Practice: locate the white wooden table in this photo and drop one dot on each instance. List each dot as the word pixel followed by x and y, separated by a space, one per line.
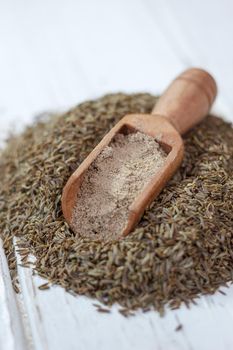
pixel 56 53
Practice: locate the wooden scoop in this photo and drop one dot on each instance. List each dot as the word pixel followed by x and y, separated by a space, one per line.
pixel 184 104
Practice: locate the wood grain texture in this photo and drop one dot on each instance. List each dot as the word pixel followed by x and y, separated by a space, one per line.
pixel 55 54
pixel 188 99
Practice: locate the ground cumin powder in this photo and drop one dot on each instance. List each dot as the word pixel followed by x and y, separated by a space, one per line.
pixel 183 246
pixel 112 183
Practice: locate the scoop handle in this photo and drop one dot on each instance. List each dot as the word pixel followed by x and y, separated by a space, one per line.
pixel 187 99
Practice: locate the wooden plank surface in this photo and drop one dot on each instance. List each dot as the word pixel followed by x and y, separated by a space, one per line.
pixel 12 332
pixel 56 53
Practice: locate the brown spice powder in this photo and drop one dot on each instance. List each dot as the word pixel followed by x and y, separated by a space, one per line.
pixel 112 183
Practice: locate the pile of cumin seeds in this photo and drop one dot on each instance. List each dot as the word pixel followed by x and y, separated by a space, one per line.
pixel 181 248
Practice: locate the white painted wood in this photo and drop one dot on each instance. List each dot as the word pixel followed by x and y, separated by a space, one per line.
pixel 200 33
pixel 56 53
pixel 12 334
pixel 61 321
